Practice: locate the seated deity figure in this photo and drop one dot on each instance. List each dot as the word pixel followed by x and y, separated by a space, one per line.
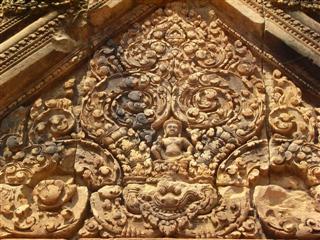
pixel 174 150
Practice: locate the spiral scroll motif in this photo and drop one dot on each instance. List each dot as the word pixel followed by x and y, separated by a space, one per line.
pixel 132 101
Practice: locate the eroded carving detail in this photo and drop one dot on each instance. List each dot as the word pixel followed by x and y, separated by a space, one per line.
pixel 53 208
pixel 287 213
pixel 164 135
pixel 294 155
pixel 188 99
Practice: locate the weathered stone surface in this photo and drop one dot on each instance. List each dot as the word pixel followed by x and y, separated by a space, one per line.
pixel 288 213
pixel 179 126
pixel 53 208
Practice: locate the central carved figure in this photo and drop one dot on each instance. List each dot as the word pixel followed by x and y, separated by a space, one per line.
pixel 172 146
pixel 173 152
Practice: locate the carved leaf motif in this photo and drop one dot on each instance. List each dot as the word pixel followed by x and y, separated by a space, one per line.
pixel 31 165
pixel 302 158
pixel 55 210
pixel 290 117
pixel 209 99
pixel 134 101
pixel 246 166
pixel 95 166
pixel 52 120
pixel 108 211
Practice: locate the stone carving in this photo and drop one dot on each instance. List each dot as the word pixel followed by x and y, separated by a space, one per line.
pixel 95 166
pixel 172 153
pixel 290 116
pixel 15 7
pixel 53 208
pixel 294 155
pixel 170 120
pixel 164 136
pixel 30 165
pixel 51 120
pixel 246 166
pixel 299 157
pixel 312 5
pixel 169 209
pixel 288 213
pixel 138 103
pixel 293 123
pixel 302 32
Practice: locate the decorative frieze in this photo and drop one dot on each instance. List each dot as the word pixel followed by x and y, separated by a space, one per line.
pixel 173 129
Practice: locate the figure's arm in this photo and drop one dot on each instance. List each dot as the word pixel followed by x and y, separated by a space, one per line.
pixel 156 149
pixel 188 146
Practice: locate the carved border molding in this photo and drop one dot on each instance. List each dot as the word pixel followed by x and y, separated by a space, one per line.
pixel 10 22
pixel 298 30
pixel 270 59
pixel 31 43
pixel 77 56
pixel 311 5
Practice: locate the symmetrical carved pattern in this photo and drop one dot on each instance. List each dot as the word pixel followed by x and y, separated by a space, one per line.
pixel 164 136
pixel 182 73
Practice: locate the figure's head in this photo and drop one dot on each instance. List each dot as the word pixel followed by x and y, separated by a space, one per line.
pixel 172 128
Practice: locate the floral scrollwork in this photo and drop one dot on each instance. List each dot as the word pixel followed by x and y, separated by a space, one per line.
pixel 132 101
pixel 32 164
pixel 300 157
pixel 52 120
pixel 213 101
pixel 246 166
pixel 96 167
pixel 290 117
pixel 52 208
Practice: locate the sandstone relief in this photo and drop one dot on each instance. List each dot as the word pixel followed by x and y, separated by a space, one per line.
pixel 174 131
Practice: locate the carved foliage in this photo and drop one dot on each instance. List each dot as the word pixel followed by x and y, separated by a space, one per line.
pixel 95 166
pixel 166 135
pixel 294 153
pixel 177 64
pixel 188 98
pixel 290 117
pixel 31 165
pixel 52 208
pixel 246 166
pixel 179 53
pixel 170 209
pixel 51 120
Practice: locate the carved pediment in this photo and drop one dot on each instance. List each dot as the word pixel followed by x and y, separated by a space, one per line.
pixel 172 129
